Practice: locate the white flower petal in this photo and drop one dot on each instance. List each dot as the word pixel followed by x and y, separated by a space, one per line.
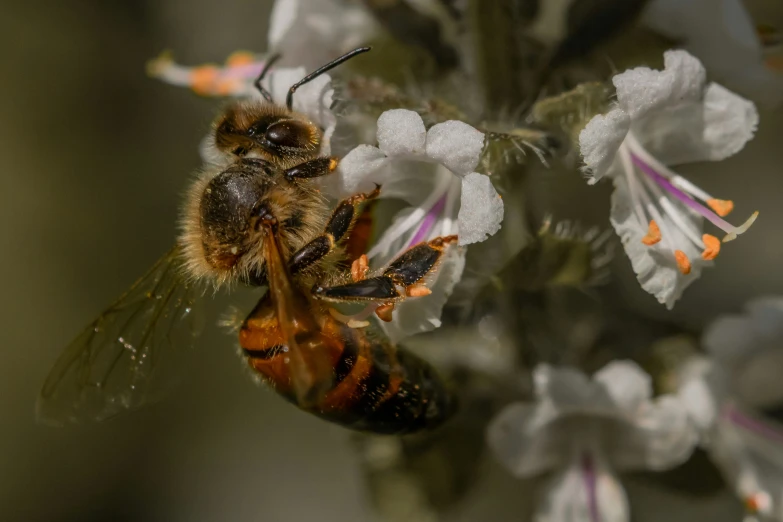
pixel 628 385
pixel 422 314
pixel 661 437
pixel 281 20
pixel 481 209
pixel 600 140
pixel 519 438
pixel 579 493
pixel 655 267
pixel 360 169
pixel 456 145
pixel 716 127
pixel 643 90
pixel 401 133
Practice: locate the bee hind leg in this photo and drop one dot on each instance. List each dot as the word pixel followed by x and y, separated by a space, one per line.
pixel 314 168
pixel 401 279
pixel 337 229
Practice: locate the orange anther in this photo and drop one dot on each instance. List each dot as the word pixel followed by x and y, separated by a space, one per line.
pixel 332 164
pixel 202 79
pixel 227 86
pixel 711 247
pixel 384 312
pixel 417 291
pixel 722 207
pixel 240 58
pixel 359 268
pixel 683 263
pixel 653 234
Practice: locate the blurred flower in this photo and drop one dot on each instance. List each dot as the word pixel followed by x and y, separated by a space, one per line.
pixel 433 172
pixel 314 32
pixel 728 394
pixel 723 36
pixel 663 118
pixel 585 430
pixel 237 79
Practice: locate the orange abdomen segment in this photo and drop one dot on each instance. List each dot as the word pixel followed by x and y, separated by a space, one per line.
pixel 375 387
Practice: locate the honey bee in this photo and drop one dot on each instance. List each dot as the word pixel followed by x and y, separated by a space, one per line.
pixel 260 221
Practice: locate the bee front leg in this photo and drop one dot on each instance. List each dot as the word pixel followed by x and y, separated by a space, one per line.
pixel 312 169
pixel 337 228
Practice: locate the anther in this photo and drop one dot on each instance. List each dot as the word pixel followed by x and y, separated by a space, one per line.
pixel 653 234
pixel 239 58
pixel 417 291
pixel 711 247
pixel 359 268
pixel 722 207
pixel 202 79
pixel 384 312
pixel 683 263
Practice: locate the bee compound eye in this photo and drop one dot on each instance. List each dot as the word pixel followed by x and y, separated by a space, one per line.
pixel 288 134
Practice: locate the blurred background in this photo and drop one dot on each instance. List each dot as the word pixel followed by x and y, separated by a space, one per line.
pixel 96 157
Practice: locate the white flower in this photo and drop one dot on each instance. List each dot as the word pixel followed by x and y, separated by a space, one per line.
pixel 236 79
pixel 585 430
pixel 433 171
pixel 721 34
pixel 726 398
pixel 665 118
pixel 314 32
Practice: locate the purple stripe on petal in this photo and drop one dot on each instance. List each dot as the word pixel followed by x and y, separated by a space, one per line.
pixel 688 201
pixel 588 473
pixel 429 221
pixel 752 425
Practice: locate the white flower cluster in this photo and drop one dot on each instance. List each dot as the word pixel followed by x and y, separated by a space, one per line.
pixel 582 430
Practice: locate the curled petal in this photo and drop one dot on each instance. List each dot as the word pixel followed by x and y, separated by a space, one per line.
pixel 714 128
pixel 481 209
pixel 600 140
pixel 421 314
pixel 661 437
pixel 401 133
pixel 456 145
pixel 628 385
pixel 643 90
pixel 585 491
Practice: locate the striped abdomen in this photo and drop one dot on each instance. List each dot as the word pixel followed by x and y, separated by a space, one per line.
pixel 375 386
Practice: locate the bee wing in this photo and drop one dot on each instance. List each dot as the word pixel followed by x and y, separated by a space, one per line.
pixel 308 356
pixel 117 363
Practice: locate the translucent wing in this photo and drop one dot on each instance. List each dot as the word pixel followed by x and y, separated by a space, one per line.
pixel 119 361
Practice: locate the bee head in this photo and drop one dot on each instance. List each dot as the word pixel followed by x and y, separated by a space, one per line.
pixel 266 131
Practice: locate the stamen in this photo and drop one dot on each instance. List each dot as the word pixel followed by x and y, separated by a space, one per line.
pixel 202 79
pixel 731 230
pixel 353 323
pixel 429 221
pixel 722 207
pixel 711 247
pixel 384 312
pixel 683 263
pixel 653 234
pixel 359 268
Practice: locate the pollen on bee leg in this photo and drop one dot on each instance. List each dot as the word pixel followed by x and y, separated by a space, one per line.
pixel 333 164
pixel 722 207
pixel 202 79
pixel 711 247
pixel 240 58
pixel 683 263
pixel 359 268
pixel 384 312
pixel 417 291
pixel 653 235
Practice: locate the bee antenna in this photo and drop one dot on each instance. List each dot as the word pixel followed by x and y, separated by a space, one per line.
pixel 289 99
pixel 268 65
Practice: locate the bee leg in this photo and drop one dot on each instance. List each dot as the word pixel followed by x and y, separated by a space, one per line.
pixel 312 169
pixel 406 271
pixel 336 229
